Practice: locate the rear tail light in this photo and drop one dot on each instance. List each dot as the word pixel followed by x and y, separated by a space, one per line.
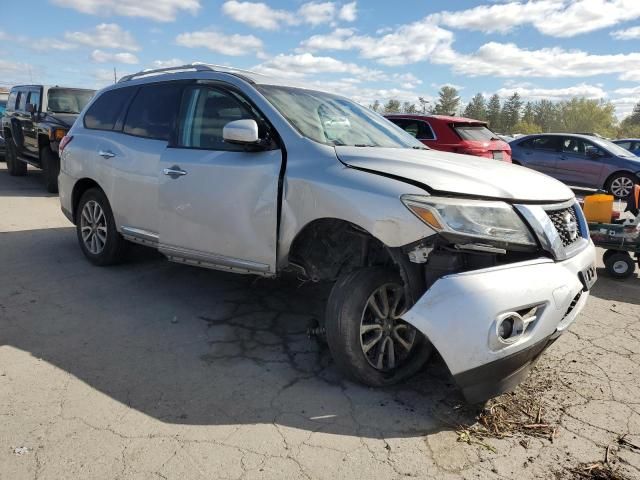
pixel 64 142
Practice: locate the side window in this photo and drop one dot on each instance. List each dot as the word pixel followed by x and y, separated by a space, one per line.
pixel 204 113
pixel 426 132
pixel 409 126
pixel 34 99
pixel 575 146
pixel 546 143
pixel 153 111
pixel 105 112
pixel 626 145
pixel 11 101
pixel 21 101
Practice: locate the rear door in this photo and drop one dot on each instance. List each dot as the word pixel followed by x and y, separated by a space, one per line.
pixel 218 202
pixel 540 153
pixel 576 166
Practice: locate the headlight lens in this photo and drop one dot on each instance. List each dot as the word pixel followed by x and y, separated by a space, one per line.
pixel 496 221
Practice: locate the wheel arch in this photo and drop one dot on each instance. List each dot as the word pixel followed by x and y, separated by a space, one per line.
pixel 79 188
pixel 614 174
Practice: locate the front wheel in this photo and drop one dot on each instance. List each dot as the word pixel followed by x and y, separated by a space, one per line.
pixel 96 229
pixel 15 167
pixel 621 185
pixel 367 337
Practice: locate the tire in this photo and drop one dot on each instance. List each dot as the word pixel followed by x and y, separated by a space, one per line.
pixel 621 185
pixel 348 309
pixel 103 249
pixel 15 167
pixel 607 254
pixel 50 168
pixel 620 265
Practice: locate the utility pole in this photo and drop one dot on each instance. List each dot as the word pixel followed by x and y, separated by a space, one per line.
pixel 115 77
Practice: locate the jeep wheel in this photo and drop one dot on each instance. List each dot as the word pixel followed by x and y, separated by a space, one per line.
pixel 367 337
pixel 96 228
pixel 15 167
pixel 50 169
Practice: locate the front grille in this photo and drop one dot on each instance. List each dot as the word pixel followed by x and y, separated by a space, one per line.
pixel 566 224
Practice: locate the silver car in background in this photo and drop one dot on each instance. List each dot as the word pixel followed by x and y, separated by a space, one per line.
pixel 485 262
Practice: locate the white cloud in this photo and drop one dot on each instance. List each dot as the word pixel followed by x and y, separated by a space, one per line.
pixel 407 44
pixel 233 45
pixel 555 94
pixel 172 62
pixel 628 34
pixel 100 56
pixel 624 106
pixel 158 10
pixel 299 66
pixel 348 12
pixel 558 18
pixel 104 35
pixel 631 75
pixel 509 60
pixel 17 72
pixel 37 44
pixel 261 15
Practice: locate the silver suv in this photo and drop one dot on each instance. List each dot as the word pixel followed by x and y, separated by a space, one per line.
pixel 485 262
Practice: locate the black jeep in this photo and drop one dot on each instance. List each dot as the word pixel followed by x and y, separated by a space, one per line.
pixel 36 118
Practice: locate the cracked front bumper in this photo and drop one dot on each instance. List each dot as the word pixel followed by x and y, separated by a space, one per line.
pixel 458 314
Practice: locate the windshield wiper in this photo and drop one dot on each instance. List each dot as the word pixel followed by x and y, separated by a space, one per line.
pixel 415 147
pixel 364 145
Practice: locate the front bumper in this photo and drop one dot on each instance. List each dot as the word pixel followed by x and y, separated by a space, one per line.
pixel 459 315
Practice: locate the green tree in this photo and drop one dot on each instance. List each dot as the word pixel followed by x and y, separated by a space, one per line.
pixel 424 104
pixel 511 113
pixel 586 115
pixel 528 114
pixel 448 101
pixel 494 112
pixel 392 106
pixel 375 106
pixel 408 107
pixel 634 118
pixel 476 108
pixel 546 115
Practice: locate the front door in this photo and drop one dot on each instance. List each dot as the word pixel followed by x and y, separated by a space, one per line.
pixel 218 201
pixel 578 167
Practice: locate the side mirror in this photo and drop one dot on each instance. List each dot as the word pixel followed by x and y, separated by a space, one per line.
pixel 31 108
pixel 242 132
pixel 594 153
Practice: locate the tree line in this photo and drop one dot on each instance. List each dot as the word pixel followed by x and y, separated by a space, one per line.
pixel 513 115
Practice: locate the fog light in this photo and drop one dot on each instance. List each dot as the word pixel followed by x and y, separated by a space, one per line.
pixel 505 330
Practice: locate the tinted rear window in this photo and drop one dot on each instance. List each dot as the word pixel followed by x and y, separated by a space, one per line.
pixel 416 128
pixel 104 113
pixel 153 111
pixel 474 132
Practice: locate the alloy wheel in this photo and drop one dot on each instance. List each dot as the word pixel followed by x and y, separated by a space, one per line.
pixel 93 226
pixel 386 339
pixel 621 186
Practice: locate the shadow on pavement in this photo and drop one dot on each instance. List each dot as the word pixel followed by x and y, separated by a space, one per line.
pixel 625 290
pixel 30 185
pixel 198 347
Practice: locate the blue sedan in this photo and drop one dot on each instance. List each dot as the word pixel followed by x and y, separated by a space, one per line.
pixel 631 144
pixel 579 161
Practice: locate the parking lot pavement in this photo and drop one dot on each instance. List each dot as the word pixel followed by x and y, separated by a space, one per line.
pixel 155 370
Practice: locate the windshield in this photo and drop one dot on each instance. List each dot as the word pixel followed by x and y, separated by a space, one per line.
pixel 476 132
pixel 65 100
pixel 611 147
pixel 334 120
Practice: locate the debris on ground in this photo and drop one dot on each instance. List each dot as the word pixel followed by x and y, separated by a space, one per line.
pixel 21 450
pixel 595 471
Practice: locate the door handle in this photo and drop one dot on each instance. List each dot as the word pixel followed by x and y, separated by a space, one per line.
pixel 106 154
pixel 174 172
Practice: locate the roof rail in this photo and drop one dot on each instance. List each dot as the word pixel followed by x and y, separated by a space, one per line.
pixel 197 66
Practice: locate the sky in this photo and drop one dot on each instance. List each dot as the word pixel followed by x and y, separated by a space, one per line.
pixel 365 49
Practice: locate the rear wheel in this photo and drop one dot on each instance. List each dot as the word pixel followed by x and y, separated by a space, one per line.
pixel 367 337
pixel 15 167
pixel 51 169
pixel 621 185
pixel 620 265
pixel 96 229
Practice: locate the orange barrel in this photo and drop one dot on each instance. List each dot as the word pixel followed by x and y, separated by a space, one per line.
pixel 598 208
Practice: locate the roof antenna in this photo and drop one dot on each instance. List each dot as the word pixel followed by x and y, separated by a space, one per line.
pixel 115 78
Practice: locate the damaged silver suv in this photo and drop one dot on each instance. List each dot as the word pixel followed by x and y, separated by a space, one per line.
pixel 484 262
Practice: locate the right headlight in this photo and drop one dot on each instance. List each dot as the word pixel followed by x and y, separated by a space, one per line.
pixel 476 219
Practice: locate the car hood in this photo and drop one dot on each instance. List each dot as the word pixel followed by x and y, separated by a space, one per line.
pixel 63 119
pixel 443 172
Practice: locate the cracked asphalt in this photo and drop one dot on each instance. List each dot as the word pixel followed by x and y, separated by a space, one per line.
pixel 152 370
